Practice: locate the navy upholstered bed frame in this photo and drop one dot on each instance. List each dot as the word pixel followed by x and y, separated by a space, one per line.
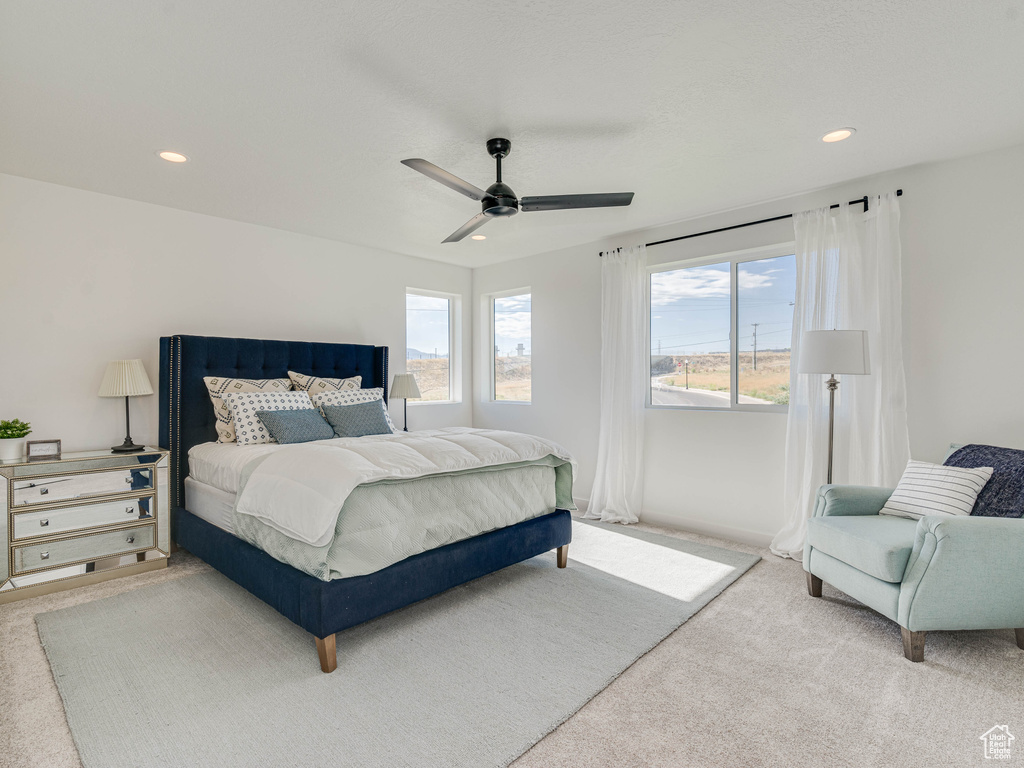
pixel 321 607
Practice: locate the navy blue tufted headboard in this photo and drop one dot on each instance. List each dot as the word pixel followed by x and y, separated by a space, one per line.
pixel 186 413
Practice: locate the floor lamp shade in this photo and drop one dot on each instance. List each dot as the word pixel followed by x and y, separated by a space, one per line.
pixel 834 352
pixel 127 379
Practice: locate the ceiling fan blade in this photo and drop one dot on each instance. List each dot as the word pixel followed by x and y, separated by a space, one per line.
pixel 564 202
pixel 469 227
pixel 450 180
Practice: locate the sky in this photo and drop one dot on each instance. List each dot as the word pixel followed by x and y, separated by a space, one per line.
pixel 512 323
pixel 426 324
pixel 690 307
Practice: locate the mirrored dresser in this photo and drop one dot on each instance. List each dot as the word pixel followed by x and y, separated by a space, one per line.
pixel 82 518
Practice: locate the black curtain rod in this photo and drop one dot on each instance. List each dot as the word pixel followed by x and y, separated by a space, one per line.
pixel 862 200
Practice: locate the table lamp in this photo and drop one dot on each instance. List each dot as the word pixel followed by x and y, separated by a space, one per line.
pixel 404 386
pixel 127 379
pixel 834 352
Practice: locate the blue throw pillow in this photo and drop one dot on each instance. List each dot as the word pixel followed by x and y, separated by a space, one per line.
pixel 1003 494
pixel 359 419
pixel 296 426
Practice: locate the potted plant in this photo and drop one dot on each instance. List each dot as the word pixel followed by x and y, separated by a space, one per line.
pixel 12 439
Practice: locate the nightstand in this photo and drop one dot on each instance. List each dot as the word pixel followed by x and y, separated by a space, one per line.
pixel 82 518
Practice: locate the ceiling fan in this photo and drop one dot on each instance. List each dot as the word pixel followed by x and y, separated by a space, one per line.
pixel 499 199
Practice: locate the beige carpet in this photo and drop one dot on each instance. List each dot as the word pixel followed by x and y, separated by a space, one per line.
pixel 764 676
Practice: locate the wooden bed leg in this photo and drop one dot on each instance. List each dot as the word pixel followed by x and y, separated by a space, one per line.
pixel 1020 638
pixel 913 644
pixel 328 653
pixel 813 585
pixel 563 555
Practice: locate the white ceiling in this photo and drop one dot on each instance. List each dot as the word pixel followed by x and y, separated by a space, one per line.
pixel 296 114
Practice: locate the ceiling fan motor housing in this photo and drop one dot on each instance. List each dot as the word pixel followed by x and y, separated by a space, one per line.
pixel 500 200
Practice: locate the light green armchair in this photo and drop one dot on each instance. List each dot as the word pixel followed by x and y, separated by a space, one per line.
pixel 936 573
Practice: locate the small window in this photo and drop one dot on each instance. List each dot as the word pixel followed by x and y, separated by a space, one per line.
pixel 428 343
pixel 512 369
pixel 720 334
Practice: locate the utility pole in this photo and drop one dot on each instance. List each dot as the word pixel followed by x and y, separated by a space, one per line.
pixel 687 374
pixel 659 346
pixel 755 344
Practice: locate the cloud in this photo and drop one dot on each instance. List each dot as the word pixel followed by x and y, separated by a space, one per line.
pixel 702 283
pixel 413 302
pixel 513 325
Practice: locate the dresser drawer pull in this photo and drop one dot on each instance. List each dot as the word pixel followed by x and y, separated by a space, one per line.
pixel 129 510
pixel 128 481
pixel 43 491
pixel 44 555
pixel 130 539
pixel 44 522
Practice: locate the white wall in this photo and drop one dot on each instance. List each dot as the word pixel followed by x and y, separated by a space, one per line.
pixel 87 278
pixel 963 268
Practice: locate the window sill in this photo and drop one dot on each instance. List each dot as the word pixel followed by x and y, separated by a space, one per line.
pixel 416 403
pixel 510 402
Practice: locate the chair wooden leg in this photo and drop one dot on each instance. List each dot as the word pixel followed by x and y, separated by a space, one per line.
pixel 1020 638
pixel 562 555
pixel 328 653
pixel 913 644
pixel 813 585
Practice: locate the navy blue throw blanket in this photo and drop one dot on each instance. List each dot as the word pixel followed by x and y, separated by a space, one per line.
pixel 1003 494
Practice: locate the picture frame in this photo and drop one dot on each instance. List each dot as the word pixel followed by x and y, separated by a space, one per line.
pixel 43 450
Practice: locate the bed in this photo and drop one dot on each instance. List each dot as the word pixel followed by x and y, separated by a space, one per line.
pixel 322 608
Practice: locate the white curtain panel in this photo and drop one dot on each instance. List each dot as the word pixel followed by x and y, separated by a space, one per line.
pixel 618 487
pixel 848 277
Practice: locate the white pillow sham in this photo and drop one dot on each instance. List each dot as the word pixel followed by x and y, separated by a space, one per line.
pixel 351 397
pixel 218 386
pixel 312 384
pixel 244 406
pixel 933 489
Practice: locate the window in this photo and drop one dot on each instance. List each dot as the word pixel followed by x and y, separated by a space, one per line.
pixel 511 369
pixel 429 341
pixel 720 333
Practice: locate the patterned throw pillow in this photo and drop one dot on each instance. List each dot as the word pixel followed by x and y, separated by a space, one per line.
pixel 350 397
pixel 358 419
pixel 311 384
pixel 219 385
pixel 302 426
pixel 932 489
pixel 244 406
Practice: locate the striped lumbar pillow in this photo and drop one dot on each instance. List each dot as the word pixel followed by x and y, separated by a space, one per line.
pixel 932 489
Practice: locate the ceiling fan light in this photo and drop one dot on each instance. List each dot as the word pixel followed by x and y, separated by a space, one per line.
pixel 172 157
pixel 479 237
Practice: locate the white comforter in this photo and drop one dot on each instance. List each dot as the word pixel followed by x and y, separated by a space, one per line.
pixel 300 489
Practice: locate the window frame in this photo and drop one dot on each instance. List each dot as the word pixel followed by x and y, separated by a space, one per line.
pixel 454 340
pixel 490 299
pixel 734 259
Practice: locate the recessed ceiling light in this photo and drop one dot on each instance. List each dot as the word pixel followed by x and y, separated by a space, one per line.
pixel 838 135
pixel 479 237
pixel 173 157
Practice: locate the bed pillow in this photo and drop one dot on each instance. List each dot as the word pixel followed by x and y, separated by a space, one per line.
pixel 218 386
pixel 350 397
pixel 302 426
pixel 932 489
pixel 244 406
pixel 312 384
pixel 358 419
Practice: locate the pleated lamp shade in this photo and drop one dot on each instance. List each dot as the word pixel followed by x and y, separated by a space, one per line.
pixel 125 378
pixel 404 386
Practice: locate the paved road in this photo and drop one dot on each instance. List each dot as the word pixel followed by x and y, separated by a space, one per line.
pixel 701 398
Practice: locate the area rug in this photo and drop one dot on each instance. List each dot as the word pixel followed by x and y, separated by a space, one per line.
pixel 198 672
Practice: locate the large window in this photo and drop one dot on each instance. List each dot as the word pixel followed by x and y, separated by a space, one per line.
pixel 511 369
pixel 429 341
pixel 720 333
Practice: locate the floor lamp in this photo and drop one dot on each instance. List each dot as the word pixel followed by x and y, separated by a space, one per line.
pixel 833 352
